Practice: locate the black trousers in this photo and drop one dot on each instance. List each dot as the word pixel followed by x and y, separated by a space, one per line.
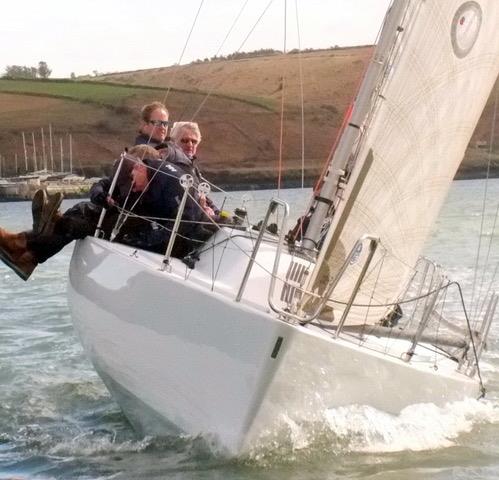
pixel 81 220
pixel 77 222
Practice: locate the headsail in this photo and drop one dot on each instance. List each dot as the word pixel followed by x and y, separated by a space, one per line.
pixel 439 68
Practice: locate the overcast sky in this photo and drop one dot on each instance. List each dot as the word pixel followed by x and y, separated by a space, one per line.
pixel 81 36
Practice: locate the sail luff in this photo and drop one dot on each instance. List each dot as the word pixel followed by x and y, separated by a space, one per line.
pixel 371 94
pixel 362 105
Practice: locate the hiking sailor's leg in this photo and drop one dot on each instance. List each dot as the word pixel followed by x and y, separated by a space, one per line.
pixel 15 254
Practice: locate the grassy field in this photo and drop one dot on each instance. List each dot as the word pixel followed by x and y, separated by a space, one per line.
pixel 86 92
pixel 239 118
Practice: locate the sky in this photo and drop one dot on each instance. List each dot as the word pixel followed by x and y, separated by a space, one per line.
pixel 86 36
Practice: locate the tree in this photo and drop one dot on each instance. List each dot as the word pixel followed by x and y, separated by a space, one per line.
pixel 43 70
pixel 19 71
pixel 73 76
pixel 22 71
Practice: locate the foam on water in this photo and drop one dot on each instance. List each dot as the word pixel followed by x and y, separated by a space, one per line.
pixel 418 427
pixel 363 429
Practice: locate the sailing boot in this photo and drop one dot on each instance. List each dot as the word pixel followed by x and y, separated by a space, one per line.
pixel 45 208
pixel 15 254
pixel 38 204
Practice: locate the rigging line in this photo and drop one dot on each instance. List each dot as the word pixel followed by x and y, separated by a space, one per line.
pixel 183 51
pixel 375 283
pixel 472 340
pixel 379 305
pixel 285 24
pixel 254 26
pixel 441 315
pixel 283 95
pixel 487 293
pixel 120 221
pixel 281 138
pixel 225 39
pixel 489 162
pixel 300 68
pixel 210 92
pixel 157 170
pixel 220 48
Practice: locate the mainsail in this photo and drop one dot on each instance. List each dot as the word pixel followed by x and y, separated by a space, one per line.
pixel 437 71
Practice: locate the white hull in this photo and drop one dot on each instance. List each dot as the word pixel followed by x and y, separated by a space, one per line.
pixel 181 355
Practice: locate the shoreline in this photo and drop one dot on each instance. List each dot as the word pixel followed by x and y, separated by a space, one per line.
pixel 269 184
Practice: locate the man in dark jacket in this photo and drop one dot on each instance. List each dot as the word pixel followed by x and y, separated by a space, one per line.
pixel 157 195
pixel 158 182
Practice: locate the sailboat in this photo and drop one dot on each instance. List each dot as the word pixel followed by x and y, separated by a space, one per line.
pixel 263 324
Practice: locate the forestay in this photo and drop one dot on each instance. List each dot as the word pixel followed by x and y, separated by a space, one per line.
pixel 436 76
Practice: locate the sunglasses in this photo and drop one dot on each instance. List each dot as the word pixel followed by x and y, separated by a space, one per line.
pixel 159 123
pixel 189 140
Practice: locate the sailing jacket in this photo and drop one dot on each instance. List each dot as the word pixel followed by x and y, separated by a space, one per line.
pixel 159 203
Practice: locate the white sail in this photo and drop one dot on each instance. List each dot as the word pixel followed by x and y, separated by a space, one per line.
pixel 439 73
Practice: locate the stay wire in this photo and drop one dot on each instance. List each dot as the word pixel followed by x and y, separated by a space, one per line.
pixel 182 54
pixel 489 162
pixel 212 89
pixel 281 120
pixel 213 66
pixel 302 101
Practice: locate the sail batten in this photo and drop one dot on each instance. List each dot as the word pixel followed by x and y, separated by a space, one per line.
pixel 441 67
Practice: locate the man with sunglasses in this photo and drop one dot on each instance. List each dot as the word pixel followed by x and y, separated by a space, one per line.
pixel 154 124
pixel 153 131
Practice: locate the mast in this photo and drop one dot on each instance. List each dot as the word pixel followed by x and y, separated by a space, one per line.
pixel 51 148
pixel 25 153
pixel 34 152
pixel 44 156
pixel 330 192
pixel 70 153
pixel 62 154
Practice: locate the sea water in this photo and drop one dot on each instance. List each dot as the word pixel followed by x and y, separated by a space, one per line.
pixel 57 420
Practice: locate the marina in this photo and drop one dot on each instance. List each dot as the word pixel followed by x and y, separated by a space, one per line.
pixel 24 187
